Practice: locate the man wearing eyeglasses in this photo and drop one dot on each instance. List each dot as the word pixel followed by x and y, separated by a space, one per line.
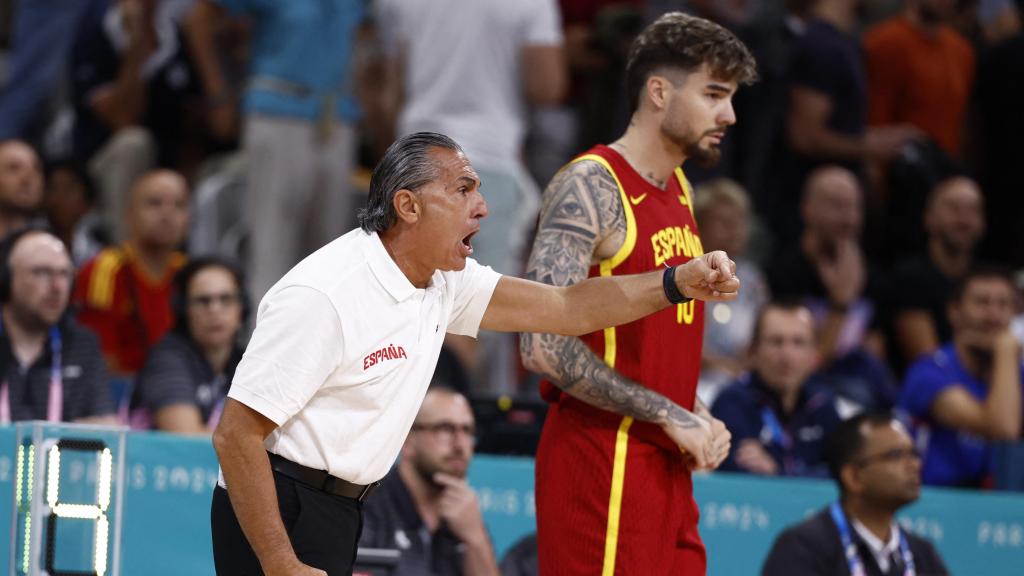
pixel 425 508
pixel 51 368
pixel 878 470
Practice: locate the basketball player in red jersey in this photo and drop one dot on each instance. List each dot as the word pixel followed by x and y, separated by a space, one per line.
pixel 623 431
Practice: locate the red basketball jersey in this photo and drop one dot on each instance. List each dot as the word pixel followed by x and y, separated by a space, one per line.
pixel 662 351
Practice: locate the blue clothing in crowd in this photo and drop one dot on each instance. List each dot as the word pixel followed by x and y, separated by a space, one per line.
pixel 951 457
pixel 43 32
pixel 301 56
pixel 795 441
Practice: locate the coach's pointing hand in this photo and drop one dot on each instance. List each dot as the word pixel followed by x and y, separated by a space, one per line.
pixel 712 277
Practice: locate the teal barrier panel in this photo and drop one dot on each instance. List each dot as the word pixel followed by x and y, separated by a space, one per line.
pixel 169 484
pixel 169 479
pixel 977 533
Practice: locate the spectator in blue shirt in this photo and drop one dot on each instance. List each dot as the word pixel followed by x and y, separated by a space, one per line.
pixel 298 116
pixel 968 393
pixel 777 415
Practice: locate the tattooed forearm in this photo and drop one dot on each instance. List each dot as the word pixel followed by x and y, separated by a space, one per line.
pixel 580 373
pixel 582 221
pixel 700 408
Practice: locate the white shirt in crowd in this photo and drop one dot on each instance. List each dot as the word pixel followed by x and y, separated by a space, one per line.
pixel 882 551
pixel 475 93
pixel 344 349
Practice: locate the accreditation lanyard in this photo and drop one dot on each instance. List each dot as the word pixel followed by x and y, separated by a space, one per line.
pixel 55 402
pixel 853 560
pixel 780 436
pixel 218 408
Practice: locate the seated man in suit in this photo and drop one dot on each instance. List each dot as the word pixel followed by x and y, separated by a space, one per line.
pixel 878 471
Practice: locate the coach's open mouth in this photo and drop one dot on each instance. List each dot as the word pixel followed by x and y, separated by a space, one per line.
pixel 467 241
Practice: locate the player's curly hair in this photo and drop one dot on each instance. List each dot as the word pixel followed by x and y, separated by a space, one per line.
pixel 683 42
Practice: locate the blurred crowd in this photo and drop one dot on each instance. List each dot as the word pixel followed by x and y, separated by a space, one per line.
pixel 164 162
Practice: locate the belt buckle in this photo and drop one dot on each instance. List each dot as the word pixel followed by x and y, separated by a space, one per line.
pixel 367 490
pixel 328 484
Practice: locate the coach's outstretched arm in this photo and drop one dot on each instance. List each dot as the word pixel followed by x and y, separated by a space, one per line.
pixel 526 306
pixel 581 216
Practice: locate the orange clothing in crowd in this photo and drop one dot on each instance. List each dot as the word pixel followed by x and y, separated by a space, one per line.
pixel 919 78
pixel 125 306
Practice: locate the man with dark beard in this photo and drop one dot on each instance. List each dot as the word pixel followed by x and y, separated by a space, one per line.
pixel 830 273
pixel 968 393
pixel 873 460
pixel 424 507
pixel 613 489
pixel 21 185
pixel 954 218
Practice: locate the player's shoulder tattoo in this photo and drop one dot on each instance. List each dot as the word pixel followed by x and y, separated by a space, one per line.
pixel 584 197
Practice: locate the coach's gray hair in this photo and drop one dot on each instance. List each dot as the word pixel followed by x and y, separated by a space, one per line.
pixel 406 165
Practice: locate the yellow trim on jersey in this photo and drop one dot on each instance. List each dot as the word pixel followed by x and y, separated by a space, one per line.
pixel 622 436
pixel 102 281
pixel 685 185
pixel 627 246
pixel 623 252
pixel 611 538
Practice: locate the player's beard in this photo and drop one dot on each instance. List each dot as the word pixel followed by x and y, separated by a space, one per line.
pixel 690 144
pixel 705 157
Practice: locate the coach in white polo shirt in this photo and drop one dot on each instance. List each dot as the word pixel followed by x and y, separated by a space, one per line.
pixel 346 342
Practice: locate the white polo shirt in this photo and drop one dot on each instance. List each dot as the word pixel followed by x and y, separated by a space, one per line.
pixel 343 351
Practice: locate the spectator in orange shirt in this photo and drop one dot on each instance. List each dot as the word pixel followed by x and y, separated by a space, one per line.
pixel 124 293
pixel 920 71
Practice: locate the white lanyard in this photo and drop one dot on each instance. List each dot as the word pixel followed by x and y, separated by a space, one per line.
pixel 853 560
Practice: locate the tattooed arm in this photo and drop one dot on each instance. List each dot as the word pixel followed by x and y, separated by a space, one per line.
pixel 582 221
pixel 575 308
pixel 700 408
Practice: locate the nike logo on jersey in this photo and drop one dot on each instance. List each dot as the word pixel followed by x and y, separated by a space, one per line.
pixel 634 200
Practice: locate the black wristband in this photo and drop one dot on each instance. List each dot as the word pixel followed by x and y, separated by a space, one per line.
pixel 668 283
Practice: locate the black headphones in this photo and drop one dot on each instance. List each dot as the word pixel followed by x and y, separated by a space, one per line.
pixel 179 296
pixel 7 245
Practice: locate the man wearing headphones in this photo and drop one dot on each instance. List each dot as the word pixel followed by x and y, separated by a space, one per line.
pixel 52 369
pixel 185 379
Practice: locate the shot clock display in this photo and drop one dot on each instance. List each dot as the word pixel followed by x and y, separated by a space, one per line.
pixel 66 518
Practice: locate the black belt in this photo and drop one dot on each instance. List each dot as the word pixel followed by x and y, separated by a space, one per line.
pixel 321 480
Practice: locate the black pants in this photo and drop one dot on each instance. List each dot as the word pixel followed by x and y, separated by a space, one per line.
pixel 323 529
